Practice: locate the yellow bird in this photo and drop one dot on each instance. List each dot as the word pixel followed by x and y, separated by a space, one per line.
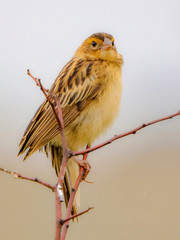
pixel 89 91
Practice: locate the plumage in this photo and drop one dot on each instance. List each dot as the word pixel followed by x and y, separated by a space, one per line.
pixel 89 91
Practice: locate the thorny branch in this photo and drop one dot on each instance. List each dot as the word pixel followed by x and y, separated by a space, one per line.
pixel 59 117
pixel 47 95
pixel 63 224
pixel 75 216
pixel 125 134
pixel 62 171
pixel 71 199
pixel 19 176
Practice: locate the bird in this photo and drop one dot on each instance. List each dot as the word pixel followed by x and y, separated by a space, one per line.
pixel 89 89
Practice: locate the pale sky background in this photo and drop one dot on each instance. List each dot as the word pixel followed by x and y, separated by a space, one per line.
pixel 136 193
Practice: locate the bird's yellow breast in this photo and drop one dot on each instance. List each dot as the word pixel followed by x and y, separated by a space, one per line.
pixel 99 114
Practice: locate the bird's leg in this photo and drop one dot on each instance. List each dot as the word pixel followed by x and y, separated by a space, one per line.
pixel 84 163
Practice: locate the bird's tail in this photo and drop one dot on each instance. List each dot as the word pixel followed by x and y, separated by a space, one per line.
pixel 70 177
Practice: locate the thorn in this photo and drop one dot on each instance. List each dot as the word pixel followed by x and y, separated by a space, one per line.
pixel 15 174
pixel 88 181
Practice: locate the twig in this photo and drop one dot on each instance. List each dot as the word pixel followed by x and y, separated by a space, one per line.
pixel 59 119
pixel 62 170
pixel 71 199
pixel 58 113
pixel 75 216
pixel 64 143
pixel 124 134
pixel 58 215
pixel 59 116
pixel 37 81
pixel 19 176
pixel 45 91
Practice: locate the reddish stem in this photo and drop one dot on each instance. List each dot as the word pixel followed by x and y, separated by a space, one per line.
pixel 59 118
pixel 19 176
pixel 37 81
pixel 75 216
pixel 71 199
pixel 125 134
pixel 58 216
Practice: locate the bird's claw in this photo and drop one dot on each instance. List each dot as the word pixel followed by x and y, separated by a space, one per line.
pixel 87 167
pixel 85 164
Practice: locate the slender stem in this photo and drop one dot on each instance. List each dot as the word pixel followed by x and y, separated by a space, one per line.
pixel 75 216
pixel 58 216
pixel 71 199
pixel 37 81
pixel 125 134
pixel 62 170
pixel 45 91
pixel 59 117
pixel 19 176
pixel 60 123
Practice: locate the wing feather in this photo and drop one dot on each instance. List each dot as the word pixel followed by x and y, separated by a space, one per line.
pixel 76 85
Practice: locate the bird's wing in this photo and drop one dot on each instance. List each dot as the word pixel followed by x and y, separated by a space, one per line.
pixel 76 85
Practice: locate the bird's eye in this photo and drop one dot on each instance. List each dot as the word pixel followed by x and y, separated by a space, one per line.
pixel 112 43
pixel 94 44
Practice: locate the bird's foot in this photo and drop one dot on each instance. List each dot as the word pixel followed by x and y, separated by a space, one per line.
pixel 87 167
pixel 85 164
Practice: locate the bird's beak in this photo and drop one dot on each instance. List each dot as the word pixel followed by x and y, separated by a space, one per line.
pixel 107 44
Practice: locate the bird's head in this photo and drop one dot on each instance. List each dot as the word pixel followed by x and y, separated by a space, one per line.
pixel 99 46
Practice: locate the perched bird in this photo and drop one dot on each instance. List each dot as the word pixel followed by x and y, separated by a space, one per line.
pixel 89 91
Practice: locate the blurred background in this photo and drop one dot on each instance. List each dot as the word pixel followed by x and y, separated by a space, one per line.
pixel 136 193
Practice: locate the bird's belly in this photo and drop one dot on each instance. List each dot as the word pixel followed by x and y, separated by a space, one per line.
pixel 96 118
